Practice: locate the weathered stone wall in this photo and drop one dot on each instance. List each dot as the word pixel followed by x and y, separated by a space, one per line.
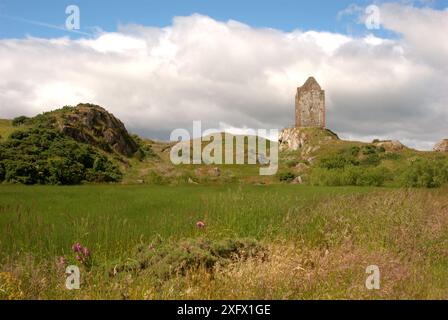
pixel 310 105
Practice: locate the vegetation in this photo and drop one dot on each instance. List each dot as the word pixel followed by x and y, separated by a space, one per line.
pixel 424 173
pixel 44 156
pixel 373 166
pixel 18 121
pixel 168 259
pixel 314 242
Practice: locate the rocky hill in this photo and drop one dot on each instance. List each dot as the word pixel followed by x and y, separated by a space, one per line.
pixel 90 124
pixel 67 146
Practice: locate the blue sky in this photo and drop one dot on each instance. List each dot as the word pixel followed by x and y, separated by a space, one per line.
pixel 286 15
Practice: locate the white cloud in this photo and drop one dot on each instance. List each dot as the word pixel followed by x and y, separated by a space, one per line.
pixel 158 79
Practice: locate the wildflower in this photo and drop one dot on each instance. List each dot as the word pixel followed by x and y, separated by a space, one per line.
pixel 77 247
pixel 200 224
pixel 85 252
pixel 78 257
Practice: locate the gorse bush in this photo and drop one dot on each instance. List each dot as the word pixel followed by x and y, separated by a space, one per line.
pixel 355 166
pixel 18 121
pixel 365 169
pixel 425 173
pixel 338 161
pixel 350 176
pixel 45 156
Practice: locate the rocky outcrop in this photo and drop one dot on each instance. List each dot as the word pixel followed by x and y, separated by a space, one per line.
pixel 92 124
pixel 307 139
pixel 442 146
pixel 390 145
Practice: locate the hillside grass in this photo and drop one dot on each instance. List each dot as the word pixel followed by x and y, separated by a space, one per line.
pixel 6 128
pixel 317 241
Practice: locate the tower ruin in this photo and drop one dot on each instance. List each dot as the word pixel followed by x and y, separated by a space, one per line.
pixel 310 105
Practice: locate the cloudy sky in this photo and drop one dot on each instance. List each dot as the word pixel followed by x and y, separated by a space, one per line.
pixel 160 66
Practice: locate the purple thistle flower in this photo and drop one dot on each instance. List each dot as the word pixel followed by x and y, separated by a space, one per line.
pixel 200 224
pixel 77 247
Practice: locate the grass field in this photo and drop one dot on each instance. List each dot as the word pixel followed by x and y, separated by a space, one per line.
pixel 317 241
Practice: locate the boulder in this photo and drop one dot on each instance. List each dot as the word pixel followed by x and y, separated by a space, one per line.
pixel 441 146
pixel 390 145
pixel 292 139
pixel 297 180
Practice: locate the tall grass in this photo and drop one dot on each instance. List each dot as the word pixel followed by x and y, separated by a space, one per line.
pixel 46 220
pixel 319 240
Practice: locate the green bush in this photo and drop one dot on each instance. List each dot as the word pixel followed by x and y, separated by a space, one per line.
pixel 18 121
pixel 355 150
pixel 425 173
pixel 144 149
pixel 286 176
pixel 369 149
pixel 65 171
pixel 350 176
pixel 338 161
pixel 372 159
pixel 44 156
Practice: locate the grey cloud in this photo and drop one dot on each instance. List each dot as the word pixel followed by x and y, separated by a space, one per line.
pixel 158 79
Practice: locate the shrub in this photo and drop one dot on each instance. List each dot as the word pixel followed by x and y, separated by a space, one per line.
pixel 369 149
pixel 144 149
pixel 338 161
pixel 371 160
pixel 286 176
pixel 18 121
pixel 65 171
pixel 425 173
pixel 45 156
pixel 350 176
pixel 355 150
pixel 166 259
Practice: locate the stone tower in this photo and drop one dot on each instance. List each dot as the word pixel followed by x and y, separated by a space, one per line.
pixel 310 105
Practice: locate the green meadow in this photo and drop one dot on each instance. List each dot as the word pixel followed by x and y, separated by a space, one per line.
pixel 111 219
pixel 316 241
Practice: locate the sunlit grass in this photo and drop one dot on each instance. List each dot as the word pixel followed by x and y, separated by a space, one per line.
pixel 319 240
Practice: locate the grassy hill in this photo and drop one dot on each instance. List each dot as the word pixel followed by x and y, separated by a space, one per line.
pixel 310 156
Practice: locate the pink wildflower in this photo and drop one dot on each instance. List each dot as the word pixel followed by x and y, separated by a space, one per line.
pixel 77 247
pixel 200 224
